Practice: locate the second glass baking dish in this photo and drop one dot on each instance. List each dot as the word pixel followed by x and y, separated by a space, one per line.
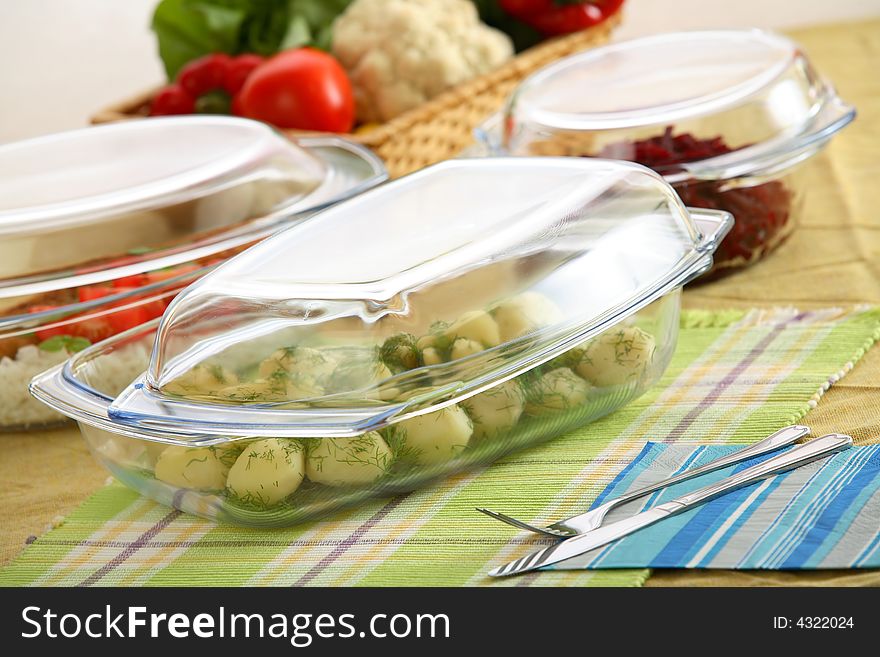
pixel 100 227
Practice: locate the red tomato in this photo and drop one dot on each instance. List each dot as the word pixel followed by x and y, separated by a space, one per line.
pixel 204 74
pixel 122 320
pixel 135 280
pixel 93 329
pixel 155 308
pixel 238 70
pixel 235 108
pixel 304 89
pixel 92 292
pixel 172 100
pixel 46 333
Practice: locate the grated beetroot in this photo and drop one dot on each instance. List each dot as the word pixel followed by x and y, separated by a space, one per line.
pixel 761 211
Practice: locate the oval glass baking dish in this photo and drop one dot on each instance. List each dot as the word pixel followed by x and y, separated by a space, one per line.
pixel 115 200
pixel 307 373
pixel 100 227
pixel 728 117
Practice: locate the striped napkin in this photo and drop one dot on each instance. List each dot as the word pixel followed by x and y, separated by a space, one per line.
pixel 824 514
pixel 736 377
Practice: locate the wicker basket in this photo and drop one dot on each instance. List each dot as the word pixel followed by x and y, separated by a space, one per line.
pixel 442 127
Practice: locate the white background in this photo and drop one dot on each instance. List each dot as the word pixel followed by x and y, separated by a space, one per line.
pixel 60 60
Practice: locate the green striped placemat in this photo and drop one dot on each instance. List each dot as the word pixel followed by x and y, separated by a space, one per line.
pixel 736 377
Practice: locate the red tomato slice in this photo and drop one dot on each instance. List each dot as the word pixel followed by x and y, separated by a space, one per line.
pixel 46 333
pixel 155 308
pixel 92 292
pixel 122 320
pixel 93 329
pixel 135 280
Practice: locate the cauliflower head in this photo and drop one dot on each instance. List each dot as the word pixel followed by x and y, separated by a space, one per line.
pixel 400 53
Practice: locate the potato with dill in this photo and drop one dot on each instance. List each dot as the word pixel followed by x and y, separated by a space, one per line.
pixel 617 356
pixel 478 326
pixel 267 471
pixel 496 411
pixel 348 461
pixel 276 388
pixel 557 390
pixel 196 468
pixel 464 347
pixel 298 362
pixel 435 437
pixel 524 314
pixel 357 372
pixel 202 379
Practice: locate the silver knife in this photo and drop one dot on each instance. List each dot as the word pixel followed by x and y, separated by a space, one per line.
pixel 589 520
pixel 577 545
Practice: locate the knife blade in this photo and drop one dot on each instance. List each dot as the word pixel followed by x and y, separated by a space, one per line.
pixel 578 545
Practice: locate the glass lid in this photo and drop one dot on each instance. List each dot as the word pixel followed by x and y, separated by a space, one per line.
pixel 754 90
pixel 94 204
pixel 416 294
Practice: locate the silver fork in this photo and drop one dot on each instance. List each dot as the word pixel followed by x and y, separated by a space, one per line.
pixel 585 522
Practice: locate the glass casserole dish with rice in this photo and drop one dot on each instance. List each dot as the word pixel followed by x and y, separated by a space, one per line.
pixel 100 227
pixel 426 326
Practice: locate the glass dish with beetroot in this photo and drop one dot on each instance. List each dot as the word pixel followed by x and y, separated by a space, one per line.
pixel 729 118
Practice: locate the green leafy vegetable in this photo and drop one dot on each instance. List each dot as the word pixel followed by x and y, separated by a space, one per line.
pixel 188 29
pixel 70 343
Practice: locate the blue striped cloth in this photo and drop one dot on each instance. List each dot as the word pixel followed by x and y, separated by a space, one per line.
pixel 822 515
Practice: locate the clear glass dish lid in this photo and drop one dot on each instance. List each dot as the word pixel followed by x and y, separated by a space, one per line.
pixel 754 90
pixel 415 295
pixel 108 201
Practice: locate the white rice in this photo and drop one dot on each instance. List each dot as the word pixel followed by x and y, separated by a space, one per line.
pixel 18 409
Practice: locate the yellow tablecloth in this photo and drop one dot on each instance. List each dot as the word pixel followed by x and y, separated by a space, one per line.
pixel 833 258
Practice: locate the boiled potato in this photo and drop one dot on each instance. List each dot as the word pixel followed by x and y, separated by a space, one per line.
pixel 557 390
pixel 617 356
pixel 302 387
pixel 358 373
pixel 431 356
pixel 496 411
pixel 525 313
pixel 348 461
pixel 261 390
pixel 463 347
pixel 197 468
pixel 426 341
pixel 435 437
pixel 272 390
pixel 267 471
pixel 477 325
pixel 298 361
pixel 202 379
